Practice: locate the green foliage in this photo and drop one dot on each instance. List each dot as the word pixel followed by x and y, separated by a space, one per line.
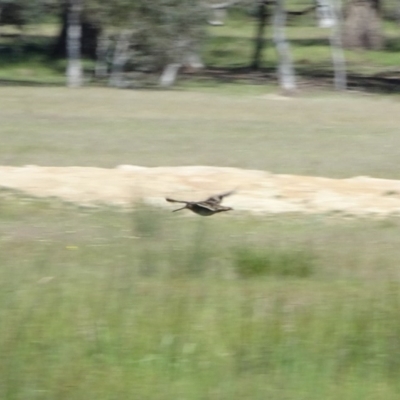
pixel 23 12
pixel 250 262
pixel 163 30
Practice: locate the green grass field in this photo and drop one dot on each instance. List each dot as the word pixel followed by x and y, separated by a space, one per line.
pixel 151 305
pixel 322 134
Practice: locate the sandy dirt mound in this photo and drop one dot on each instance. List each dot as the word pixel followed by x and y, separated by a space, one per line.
pixel 258 191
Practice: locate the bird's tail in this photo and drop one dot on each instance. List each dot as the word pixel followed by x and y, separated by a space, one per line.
pixel 179 209
pixel 177 201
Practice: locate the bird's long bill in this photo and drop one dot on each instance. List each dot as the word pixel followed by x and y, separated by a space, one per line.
pixel 179 209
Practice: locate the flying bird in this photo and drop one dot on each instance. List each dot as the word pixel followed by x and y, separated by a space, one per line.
pixel 210 206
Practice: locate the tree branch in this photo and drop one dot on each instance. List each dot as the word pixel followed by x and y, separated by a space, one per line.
pixel 222 5
pixel 301 12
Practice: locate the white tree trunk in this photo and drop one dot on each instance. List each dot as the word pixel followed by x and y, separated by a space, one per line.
pixel 218 17
pixel 193 60
pixel 183 54
pixel 169 74
pixel 285 65
pixel 326 13
pixel 121 56
pixel 338 58
pixel 74 33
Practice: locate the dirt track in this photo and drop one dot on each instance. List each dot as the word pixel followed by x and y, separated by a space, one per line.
pixel 258 191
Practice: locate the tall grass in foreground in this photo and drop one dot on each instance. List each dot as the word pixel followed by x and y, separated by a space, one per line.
pixel 150 306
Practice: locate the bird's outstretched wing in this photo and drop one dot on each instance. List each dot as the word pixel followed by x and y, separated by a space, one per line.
pixel 175 201
pixel 217 198
pixel 207 205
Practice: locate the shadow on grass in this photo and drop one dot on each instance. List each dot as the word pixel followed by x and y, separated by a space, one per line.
pixel 392 44
pixel 285 262
pixel 384 83
pixel 28 83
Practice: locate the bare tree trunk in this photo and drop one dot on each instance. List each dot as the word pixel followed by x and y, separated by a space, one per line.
pixel 363 26
pixel 89 35
pixel 329 14
pixel 103 46
pixel 219 14
pixel 259 39
pixel 285 68
pixel 121 56
pixel 193 60
pixel 326 14
pixel 398 12
pixel 169 74
pixel 74 31
pixel 338 58
pixel 184 54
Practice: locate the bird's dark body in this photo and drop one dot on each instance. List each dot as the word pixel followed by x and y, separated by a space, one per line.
pixel 205 208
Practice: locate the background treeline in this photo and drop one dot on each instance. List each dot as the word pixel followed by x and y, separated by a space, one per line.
pixel 123 42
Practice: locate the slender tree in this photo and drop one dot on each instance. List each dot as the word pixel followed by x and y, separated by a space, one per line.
pixel 121 56
pixel 259 41
pixel 338 58
pixel 74 31
pixel 179 27
pixel 329 14
pixel 125 18
pixel 286 75
pixel 218 13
